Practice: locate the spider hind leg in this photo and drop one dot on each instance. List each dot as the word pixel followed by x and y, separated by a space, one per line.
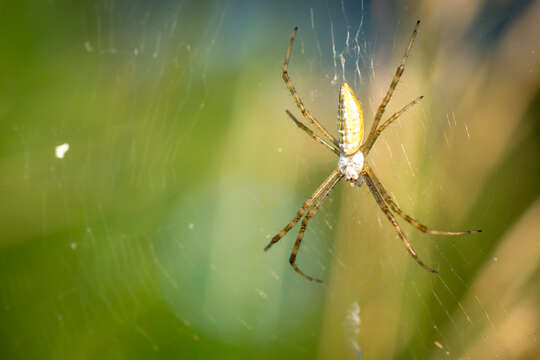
pixel 306 205
pixel 292 260
pixel 384 208
pixel 395 208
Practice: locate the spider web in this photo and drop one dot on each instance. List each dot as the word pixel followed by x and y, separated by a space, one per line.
pixel 147 160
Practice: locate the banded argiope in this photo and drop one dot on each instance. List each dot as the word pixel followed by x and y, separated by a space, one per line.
pixel 352 154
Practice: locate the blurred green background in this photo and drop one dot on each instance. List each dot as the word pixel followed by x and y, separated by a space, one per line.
pixel 145 238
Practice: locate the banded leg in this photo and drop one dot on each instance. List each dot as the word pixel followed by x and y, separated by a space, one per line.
pixel 310 133
pixel 299 102
pixel 307 204
pixel 384 207
pixel 410 220
pixel 394 117
pixel 399 71
pixel 309 215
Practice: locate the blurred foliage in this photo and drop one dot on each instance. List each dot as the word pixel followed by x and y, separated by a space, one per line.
pixel 145 240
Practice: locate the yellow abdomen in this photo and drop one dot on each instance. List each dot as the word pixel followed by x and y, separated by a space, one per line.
pixel 350 121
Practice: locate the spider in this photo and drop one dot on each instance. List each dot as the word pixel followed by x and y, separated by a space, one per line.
pixel 352 153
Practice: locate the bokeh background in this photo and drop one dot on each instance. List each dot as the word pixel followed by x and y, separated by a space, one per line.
pixel 144 239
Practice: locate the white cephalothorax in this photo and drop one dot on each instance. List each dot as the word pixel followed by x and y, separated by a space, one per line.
pixel 351 166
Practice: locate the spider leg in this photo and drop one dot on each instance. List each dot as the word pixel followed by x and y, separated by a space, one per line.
pixel 309 215
pixel 310 133
pixel 393 118
pixel 299 102
pixel 399 71
pixel 307 204
pixel 410 220
pixel 384 207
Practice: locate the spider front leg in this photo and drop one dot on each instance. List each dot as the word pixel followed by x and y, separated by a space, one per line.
pixel 399 71
pixel 384 207
pixel 390 120
pixel 308 131
pixel 305 112
pixel 410 220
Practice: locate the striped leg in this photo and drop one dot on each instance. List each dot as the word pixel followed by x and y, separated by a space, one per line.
pixel 394 117
pixel 399 71
pixel 384 207
pixel 299 102
pixel 410 220
pixel 307 204
pixel 310 133
pixel 309 215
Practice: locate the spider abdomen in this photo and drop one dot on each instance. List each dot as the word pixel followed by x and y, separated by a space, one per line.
pixel 350 121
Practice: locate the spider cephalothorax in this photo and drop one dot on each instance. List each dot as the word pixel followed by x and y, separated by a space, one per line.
pixel 352 164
